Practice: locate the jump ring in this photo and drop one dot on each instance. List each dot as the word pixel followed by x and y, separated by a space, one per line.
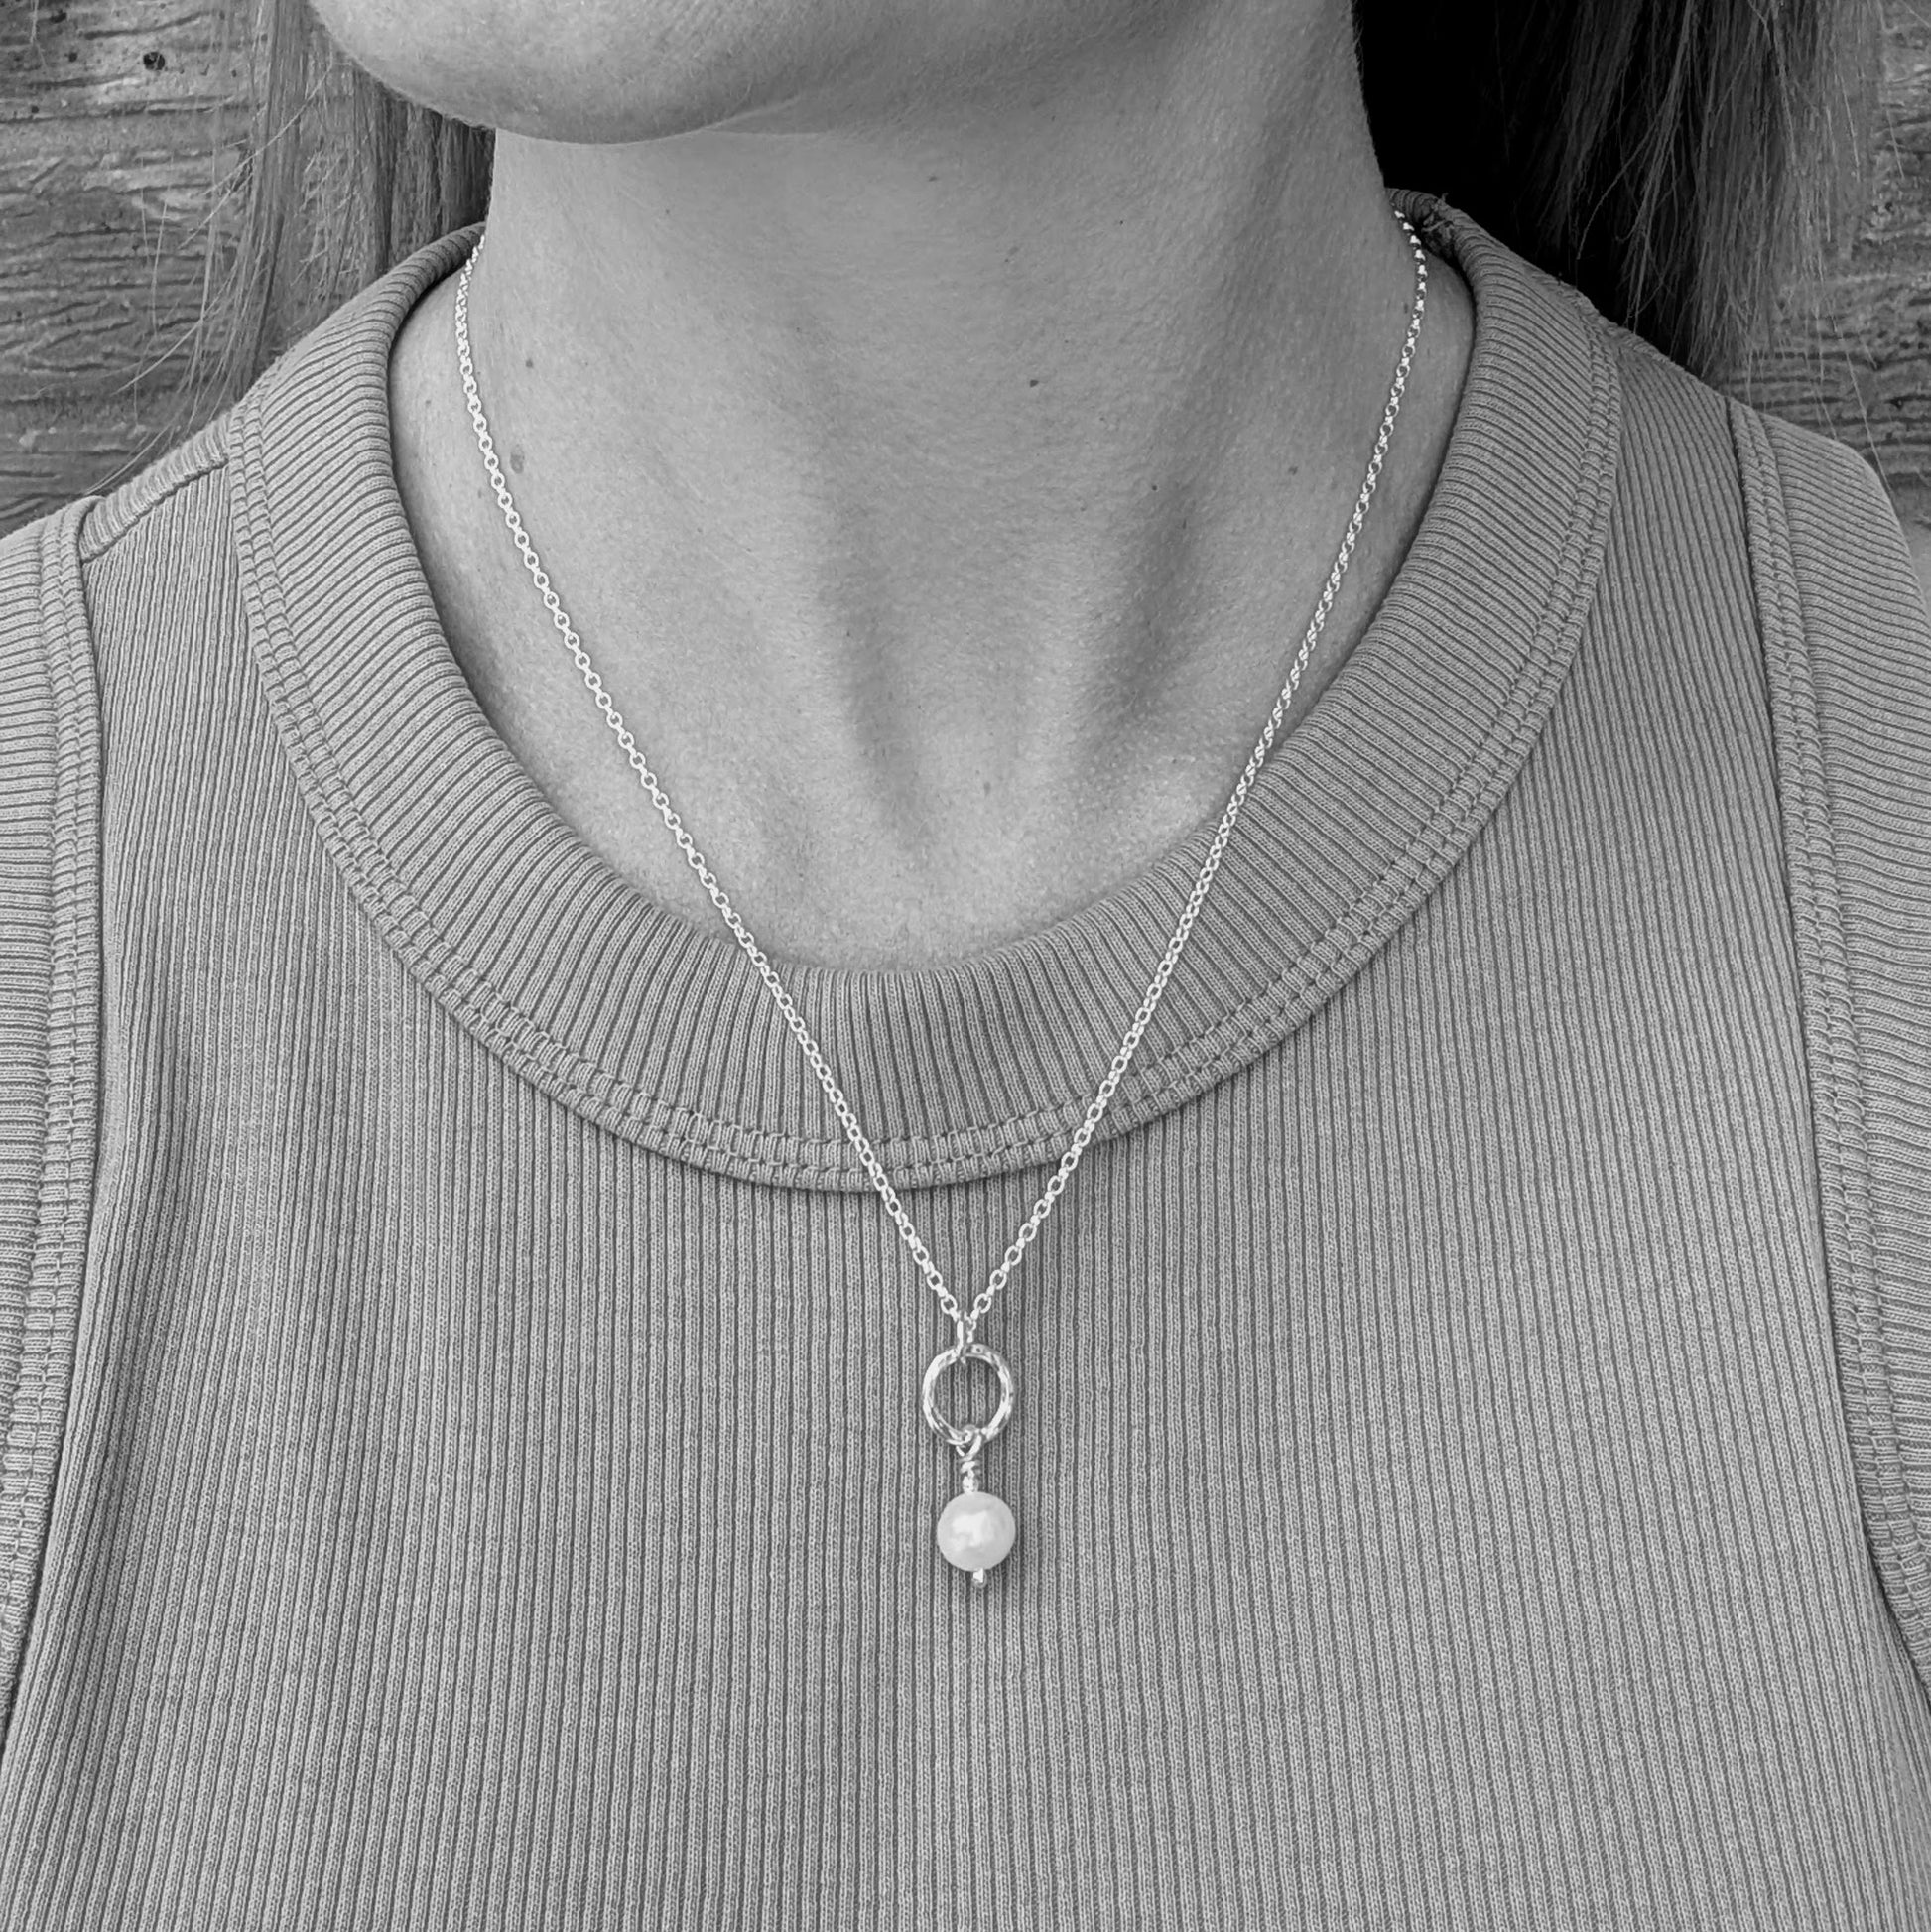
pixel 967 1433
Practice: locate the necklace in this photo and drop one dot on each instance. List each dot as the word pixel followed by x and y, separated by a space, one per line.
pixel 975 1530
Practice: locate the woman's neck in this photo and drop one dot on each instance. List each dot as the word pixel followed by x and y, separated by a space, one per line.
pixel 944 493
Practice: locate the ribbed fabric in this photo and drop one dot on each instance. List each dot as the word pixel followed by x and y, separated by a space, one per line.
pixel 1474 1453
pixel 50 951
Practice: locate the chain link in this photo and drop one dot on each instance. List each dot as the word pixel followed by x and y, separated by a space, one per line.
pixel 966 1319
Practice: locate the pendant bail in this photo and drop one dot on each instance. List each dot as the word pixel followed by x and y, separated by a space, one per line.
pixel 969 1463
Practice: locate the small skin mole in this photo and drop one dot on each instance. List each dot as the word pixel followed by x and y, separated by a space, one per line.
pixel 154 60
pixel 516 458
pixel 1032 382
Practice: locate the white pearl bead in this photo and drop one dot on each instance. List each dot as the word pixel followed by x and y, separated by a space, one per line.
pixel 975 1531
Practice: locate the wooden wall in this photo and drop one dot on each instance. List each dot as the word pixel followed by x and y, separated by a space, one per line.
pixel 109 173
pixel 1853 356
pixel 116 153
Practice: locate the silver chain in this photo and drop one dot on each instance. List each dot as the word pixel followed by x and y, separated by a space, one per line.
pixel 967 1321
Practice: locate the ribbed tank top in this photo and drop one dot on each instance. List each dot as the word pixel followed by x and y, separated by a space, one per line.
pixel 462 1465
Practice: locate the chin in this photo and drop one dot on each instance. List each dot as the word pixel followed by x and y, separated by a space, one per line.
pixel 614 71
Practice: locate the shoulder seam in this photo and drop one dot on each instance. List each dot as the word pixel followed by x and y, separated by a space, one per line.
pixel 1893 1524
pixel 124 512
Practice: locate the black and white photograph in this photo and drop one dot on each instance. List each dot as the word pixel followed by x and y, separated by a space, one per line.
pixel 965 965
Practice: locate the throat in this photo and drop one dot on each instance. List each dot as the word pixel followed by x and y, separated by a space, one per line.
pixel 835 895
pixel 895 851
pixel 865 808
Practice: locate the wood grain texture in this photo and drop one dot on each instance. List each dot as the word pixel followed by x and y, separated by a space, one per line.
pixel 120 131
pixel 1852 352
pixel 113 155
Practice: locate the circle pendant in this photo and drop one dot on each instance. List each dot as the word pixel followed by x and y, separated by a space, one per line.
pixel 965 1436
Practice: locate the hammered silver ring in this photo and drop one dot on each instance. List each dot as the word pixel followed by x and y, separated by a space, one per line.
pixel 964 1435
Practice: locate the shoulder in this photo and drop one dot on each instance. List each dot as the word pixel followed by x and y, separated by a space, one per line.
pixel 99 576
pixel 1833 600
pixel 1845 622
pixel 1745 545
pixel 55 576
pixel 97 581
pixel 161 506
pixel 1846 659
pixel 1679 431
pixel 100 566
pixel 162 502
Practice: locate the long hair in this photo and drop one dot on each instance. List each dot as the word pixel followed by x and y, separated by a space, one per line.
pixel 1673 159
pixel 1669 157
pixel 339 179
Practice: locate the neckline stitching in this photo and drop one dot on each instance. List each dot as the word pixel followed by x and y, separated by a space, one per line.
pixel 474 997
pixel 1181 1074
pixel 1395 886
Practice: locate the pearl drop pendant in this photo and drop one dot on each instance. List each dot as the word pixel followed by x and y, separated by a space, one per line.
pixel 975 1532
